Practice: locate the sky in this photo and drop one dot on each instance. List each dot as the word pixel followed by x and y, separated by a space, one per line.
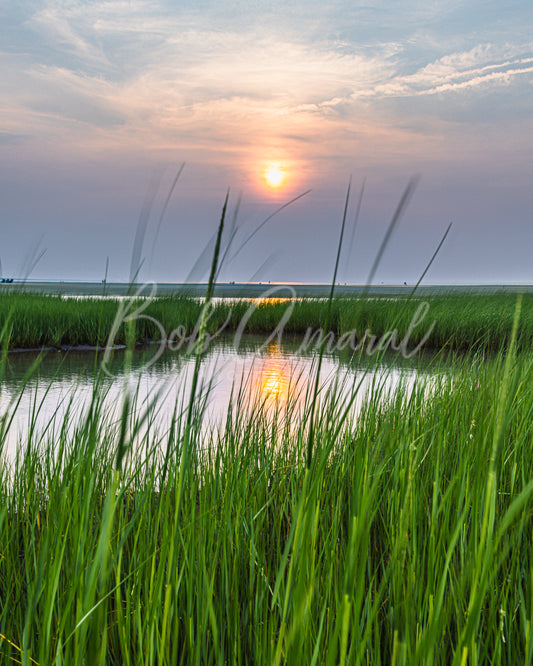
pixel 103 103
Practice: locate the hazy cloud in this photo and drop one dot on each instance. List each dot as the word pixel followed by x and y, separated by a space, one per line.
pixel 149 70
pixel 121 84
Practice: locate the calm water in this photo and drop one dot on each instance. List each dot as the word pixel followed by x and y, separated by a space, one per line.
pixel 268 372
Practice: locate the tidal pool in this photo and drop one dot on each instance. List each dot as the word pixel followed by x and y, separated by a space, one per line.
pixel 38 392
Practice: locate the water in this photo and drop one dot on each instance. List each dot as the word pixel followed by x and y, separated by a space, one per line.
pixel 64 381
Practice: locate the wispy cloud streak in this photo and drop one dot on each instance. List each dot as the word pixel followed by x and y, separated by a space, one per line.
pixel 152 76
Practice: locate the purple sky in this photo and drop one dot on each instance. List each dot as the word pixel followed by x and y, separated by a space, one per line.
pixel 100 103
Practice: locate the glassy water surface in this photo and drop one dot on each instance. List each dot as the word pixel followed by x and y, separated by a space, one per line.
pixel 271 373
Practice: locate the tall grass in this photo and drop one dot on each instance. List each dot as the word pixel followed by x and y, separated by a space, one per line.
pixel 410 542
pixel 465 322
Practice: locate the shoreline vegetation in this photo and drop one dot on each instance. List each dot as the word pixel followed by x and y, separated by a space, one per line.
pixel 465 322
pixel 406 540
pixel 288 533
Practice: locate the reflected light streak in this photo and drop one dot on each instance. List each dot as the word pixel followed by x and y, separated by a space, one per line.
pixel 274 377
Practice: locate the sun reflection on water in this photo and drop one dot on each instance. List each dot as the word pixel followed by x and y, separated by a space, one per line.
pixel 274 383
pixel 273 375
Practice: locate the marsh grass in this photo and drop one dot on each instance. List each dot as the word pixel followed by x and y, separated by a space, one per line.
pixel 410 541
pixel 463 322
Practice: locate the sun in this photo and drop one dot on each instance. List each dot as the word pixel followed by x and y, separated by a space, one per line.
pixel 274 175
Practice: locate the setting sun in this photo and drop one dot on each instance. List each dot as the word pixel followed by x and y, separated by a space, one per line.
pixel 274 175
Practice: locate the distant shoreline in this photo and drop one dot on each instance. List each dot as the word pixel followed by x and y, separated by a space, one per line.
pixel 257 289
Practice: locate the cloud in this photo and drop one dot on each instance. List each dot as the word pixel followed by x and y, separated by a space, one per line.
pixel 54 24
pixel 481 65
pixel 185 83
pixel 150 76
